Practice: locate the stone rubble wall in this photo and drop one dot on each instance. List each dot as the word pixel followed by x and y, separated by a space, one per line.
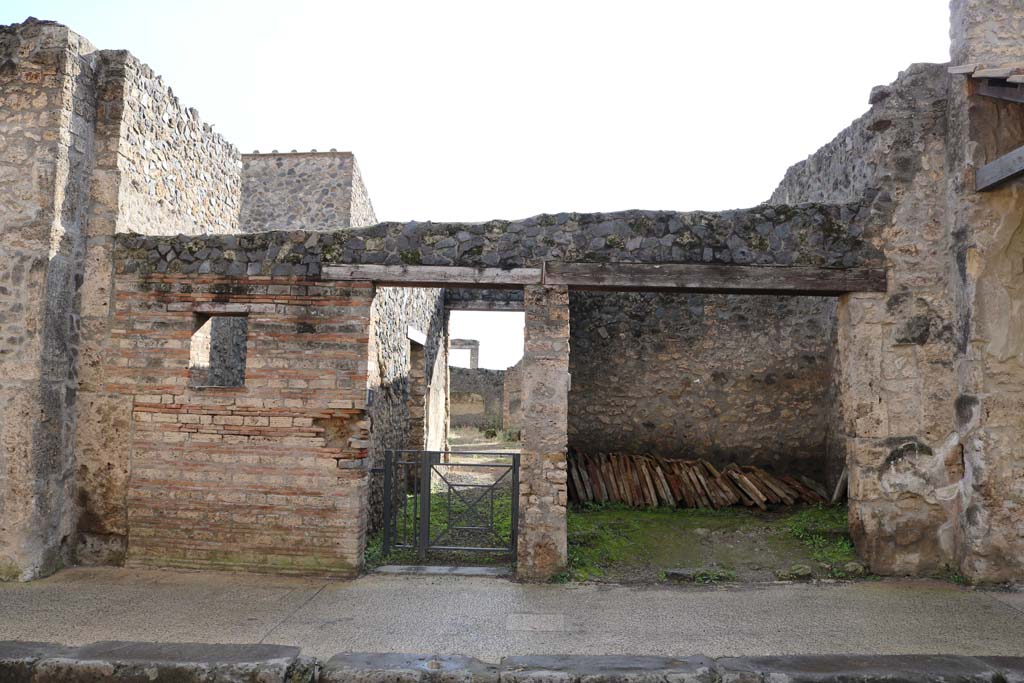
pixel 726 378
pixel 988 292
pixel 47 147
pixel 303 191
pixel 828 236
pixel 896 389
pixel 476 397
pixel 177 174
pixel 394 311
pixel 465 299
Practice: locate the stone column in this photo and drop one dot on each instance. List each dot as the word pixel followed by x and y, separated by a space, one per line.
pixel 542 550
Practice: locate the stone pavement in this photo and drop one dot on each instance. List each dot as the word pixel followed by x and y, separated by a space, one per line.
pixel 492 618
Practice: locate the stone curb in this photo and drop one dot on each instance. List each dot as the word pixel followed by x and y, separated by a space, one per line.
pixel 125 662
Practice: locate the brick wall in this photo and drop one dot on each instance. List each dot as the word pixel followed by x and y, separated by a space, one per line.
pixel 158 170
pixel 264 477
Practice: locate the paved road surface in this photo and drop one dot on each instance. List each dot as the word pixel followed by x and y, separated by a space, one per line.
pixel 490 618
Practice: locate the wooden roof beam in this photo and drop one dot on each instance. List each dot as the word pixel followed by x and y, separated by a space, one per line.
pixel 1006 167
pixel 714 278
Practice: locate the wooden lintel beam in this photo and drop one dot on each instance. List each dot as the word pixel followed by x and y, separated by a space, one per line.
pixel 435 276
pixel 484 305
pixel 679 277
pixel 1011 92
pixel 999 171
pixel 685 277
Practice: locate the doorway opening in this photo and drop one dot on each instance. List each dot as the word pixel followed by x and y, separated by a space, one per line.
pixel 701 438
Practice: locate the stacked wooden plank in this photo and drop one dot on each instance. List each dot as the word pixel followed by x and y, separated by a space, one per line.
pixel 646 481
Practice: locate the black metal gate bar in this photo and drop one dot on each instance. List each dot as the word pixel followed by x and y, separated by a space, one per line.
pixel 408 484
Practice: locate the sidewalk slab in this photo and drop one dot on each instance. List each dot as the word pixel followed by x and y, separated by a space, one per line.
pixel 489 619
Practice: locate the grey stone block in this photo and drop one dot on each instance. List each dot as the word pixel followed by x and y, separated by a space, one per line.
pixel 1010 669
pixel 406 668
pixel 856 668
pixel 18 659
pixel 126 662
pixel 607 669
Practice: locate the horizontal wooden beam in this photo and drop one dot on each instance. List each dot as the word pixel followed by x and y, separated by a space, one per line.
pixel 999 171
pixel 484 305
pixel 436 276
pixel 1010 92
pixel 715 278
pixel 679 277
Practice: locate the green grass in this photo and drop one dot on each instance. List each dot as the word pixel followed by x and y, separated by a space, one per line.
pixel 823 529
pixel 374 556
pixel 617 543
pixel 713 575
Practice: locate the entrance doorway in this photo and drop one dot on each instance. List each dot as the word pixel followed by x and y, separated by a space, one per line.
pixel 450 505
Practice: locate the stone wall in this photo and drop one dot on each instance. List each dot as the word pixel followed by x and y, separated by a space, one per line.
pixel 158 169
pixel 988 292
pixel 177 174
pixel 438 415
pixel 476 396
pixel 463 299
pixel 814 235
pixel 512 399
pixel 268 476
pixel 303 191
pixel 542 540
pixel 896 385
pixel 727 378
pixel 93 144
pixel 46 153
pixel 394 311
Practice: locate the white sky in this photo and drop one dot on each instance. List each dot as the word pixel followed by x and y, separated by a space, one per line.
pixel 477 110
pixel 500 335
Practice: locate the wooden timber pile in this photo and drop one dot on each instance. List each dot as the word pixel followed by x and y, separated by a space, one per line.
pixel 646 481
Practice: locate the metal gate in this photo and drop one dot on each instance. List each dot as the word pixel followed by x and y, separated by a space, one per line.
pixel 450 501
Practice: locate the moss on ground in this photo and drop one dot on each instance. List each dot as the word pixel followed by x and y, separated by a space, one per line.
pixel 620 544
pixel 9 572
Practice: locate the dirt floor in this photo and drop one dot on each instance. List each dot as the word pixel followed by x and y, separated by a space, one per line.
pixel 473 439
pixel 623 545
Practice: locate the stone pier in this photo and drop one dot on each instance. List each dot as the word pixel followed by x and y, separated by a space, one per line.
pixel 542 489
